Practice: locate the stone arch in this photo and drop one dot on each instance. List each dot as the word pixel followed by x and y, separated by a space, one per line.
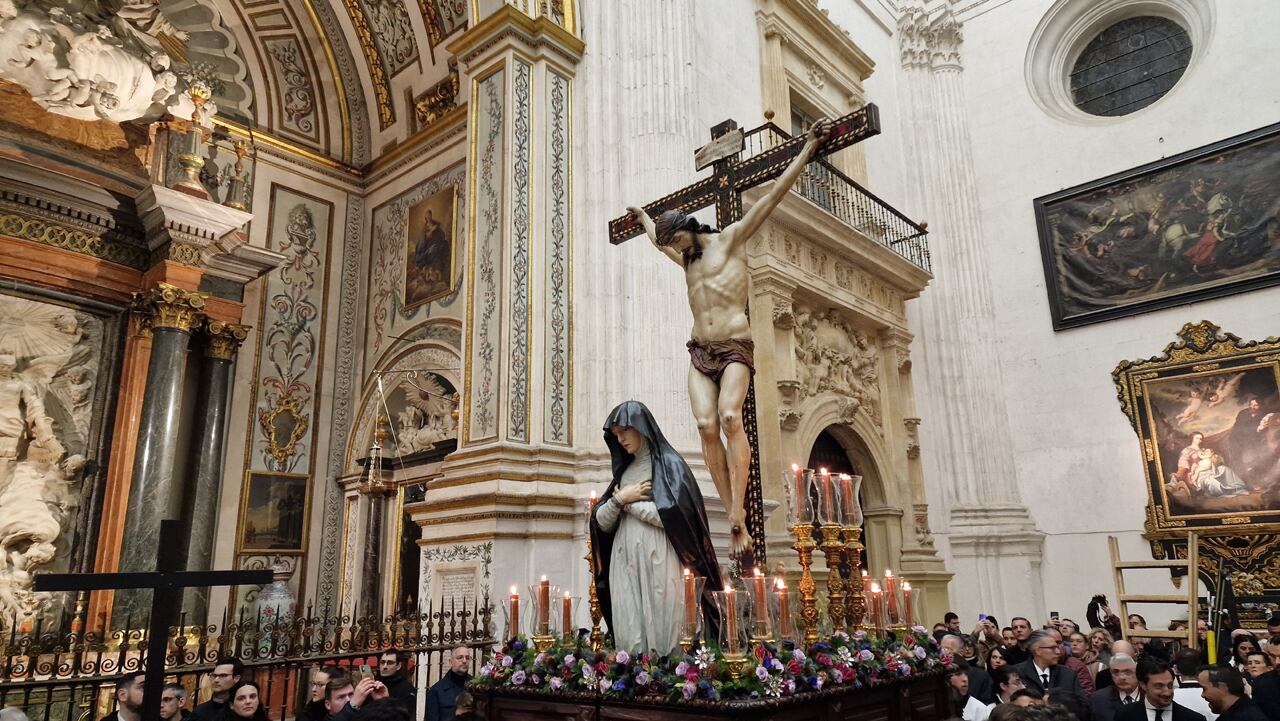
pixel 410 357
pixel 860 434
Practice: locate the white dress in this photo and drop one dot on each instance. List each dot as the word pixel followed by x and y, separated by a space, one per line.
pixel 644 571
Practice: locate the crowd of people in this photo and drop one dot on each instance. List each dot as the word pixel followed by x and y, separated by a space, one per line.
pixel 1062 671
pixel 336 694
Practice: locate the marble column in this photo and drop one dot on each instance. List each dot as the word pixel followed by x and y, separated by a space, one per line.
pixel 172 313
pixel 204 475
pixel 995 547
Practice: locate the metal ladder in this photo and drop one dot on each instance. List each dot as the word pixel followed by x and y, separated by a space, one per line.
pixel 1191 598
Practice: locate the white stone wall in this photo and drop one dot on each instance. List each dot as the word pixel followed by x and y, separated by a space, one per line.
pixel 1077 459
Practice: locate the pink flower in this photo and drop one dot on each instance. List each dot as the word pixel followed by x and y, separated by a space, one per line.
pixel 865 655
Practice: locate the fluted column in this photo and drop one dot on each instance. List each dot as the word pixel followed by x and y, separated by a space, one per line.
pixel 204 475
pixel 992 536
pixel 172 314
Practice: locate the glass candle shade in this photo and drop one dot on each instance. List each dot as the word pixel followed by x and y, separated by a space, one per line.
pixel 797 482
pixel 691 604
pixel 850 501
pixel 566 612
pixel 758 590
pixel 542 620
pixel 511 614
pixel 828 499
pixel 783 609
pixel 733 622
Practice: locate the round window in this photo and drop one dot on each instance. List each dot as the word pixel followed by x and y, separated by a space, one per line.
pixel 1130 65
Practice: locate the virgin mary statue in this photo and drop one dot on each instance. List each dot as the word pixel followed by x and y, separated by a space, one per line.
pixel 649 526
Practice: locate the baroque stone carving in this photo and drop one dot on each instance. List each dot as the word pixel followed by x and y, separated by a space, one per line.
pixel 783 315
pixel 430 413
pixel 224 338
pixel 168 306
pixel 92 60
pixel 920 515
pixel 438 100
pixel 926 42
pixel 913 437
pixel 834 357
pixel 48 373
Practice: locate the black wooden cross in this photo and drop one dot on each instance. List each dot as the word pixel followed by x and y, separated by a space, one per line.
pixel 168 580
pixel 723 189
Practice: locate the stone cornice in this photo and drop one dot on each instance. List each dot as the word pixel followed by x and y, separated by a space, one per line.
pixel 836 51
pixel 510 23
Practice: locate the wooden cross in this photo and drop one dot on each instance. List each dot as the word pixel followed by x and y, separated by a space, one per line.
pixel 723 189
pixel 168 580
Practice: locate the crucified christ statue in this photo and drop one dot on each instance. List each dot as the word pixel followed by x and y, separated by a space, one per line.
pixel 721 350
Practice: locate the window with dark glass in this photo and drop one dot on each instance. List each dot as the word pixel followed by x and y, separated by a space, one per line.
pixel 1130 65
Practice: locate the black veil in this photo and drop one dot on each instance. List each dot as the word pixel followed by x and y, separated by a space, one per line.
pixel 680 506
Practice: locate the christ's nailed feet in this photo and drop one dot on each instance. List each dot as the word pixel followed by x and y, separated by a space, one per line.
pixel 740 546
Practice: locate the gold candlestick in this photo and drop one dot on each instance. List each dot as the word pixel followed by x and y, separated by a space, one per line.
pixel 804 546
pixel 834 550
pixel 597 638
pixel 855 607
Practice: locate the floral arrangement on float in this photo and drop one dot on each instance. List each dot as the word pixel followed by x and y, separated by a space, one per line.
pixel 705 674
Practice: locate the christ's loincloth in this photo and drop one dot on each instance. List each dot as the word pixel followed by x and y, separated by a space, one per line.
pixel 711 357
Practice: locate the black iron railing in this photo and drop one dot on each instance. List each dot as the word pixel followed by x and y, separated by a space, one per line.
pixel 848 201
pixel 70 677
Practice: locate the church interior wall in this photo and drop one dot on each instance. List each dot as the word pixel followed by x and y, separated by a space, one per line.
pixel 1072 441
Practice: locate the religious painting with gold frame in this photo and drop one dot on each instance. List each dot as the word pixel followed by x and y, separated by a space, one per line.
pixel 1197 225
pixel 1207 415
pixel 429 248
pixel 274 508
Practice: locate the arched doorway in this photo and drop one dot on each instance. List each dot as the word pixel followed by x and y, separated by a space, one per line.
pixel 827 452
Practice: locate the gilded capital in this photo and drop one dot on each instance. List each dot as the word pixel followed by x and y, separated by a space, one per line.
pixel 168 306
pixel 224 338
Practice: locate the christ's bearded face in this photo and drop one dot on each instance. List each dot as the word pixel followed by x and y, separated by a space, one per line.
pixel 682 240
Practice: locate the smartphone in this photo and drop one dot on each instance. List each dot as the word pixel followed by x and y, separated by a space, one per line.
pixel 1053 614
pixel 365 671
pixel 982 617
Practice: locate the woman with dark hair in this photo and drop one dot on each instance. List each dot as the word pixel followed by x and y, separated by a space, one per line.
pixel 1241 647
pixel 996 659
pixel 650 524
pixel 1099 615
pixel 244 703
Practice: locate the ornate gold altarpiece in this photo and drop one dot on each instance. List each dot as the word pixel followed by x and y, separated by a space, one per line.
pixel 1209 468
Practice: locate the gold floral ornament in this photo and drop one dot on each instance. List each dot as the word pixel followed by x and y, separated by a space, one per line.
pixel 168 306
pixel 284 425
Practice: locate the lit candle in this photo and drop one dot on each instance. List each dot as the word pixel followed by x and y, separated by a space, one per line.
pixel 784 611
pixel 762 603
pixel 690 602
pixel 846 497
pixel 566 615
pixel 731 622
pixel 514 630
pixel 890 597
pixel 544 605
pixel 828 497
pixel 876 602
pixel 906 601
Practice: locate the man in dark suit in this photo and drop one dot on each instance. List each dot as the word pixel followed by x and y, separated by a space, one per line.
pixel 1042 673
pixel 1266 679
pixel 1156 679
pixel 1223 688
pixel 1123 690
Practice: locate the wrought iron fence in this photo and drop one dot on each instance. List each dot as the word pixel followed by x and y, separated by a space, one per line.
pixel 853 204
pixel 70 677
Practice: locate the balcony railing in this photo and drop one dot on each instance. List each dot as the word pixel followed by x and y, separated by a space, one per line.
pixel 853 204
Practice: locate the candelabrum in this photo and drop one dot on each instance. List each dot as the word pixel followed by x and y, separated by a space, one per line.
pixel 834 551
pixel 855 608
pixel 597 638
pixel 191 160
pixel 804 546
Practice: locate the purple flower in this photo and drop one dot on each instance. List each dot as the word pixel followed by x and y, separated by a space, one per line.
pixel 556 683
pixel 864 655
pixel 797 655
pixel 568 660
pixel 919 629
pixel 517 646
pixel 620 685
pixel 777 665
pixel 816 682
pixel 682 668
pixel 507 661
pixel 623 657
pixel 535 679
pixel 859 635
pixel 788 686
pixel 517 678
pixel 605 685
pixel 762 673
pixel 690 688
pixel 921 653
pixel 643 679
pixel 836 676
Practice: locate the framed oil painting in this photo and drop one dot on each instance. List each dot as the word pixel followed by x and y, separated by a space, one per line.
pixel 273 512
pixel 429 248
pixel 1198 225
pixel 1207 415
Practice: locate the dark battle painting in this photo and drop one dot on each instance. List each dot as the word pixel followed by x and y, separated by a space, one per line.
pixel 1201 224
